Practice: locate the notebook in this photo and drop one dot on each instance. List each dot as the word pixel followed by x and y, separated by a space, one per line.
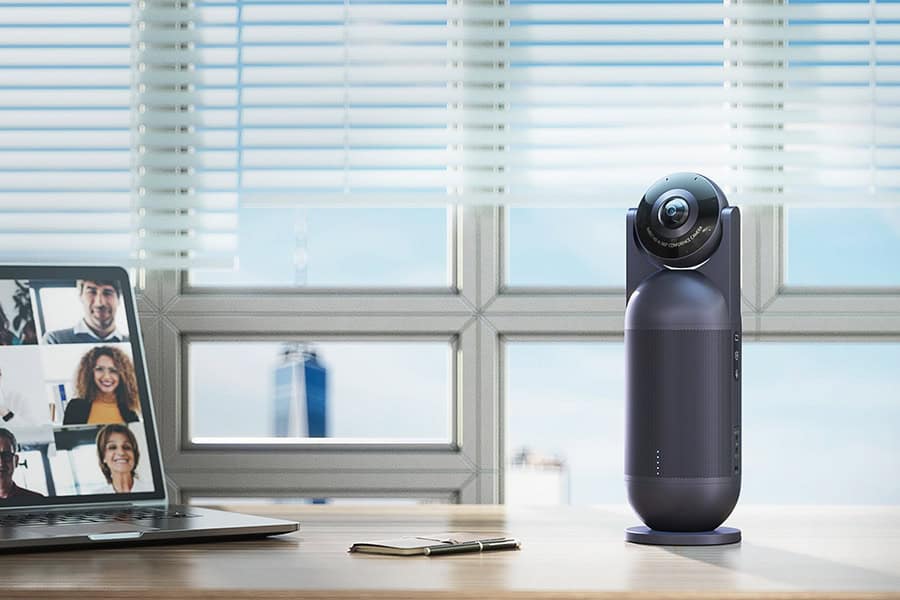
pixel 80 462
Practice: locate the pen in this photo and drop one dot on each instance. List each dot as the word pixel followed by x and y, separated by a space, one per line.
pixel 510 544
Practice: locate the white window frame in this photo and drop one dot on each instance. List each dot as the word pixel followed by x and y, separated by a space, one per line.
pixel 481 313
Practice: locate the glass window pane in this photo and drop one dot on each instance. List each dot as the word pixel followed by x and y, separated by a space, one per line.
pixel 820 423
pixel 565 423
pixel 565 247
pixel 332 247
pixel 366 391
pixel 842 246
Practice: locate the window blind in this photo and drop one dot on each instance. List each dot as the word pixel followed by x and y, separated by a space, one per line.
pixel 92 167
pixel 382 102
pixel 132 132
pixel 186 202
pixel 817 102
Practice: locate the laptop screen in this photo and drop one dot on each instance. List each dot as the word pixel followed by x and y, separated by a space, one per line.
pixel 76 423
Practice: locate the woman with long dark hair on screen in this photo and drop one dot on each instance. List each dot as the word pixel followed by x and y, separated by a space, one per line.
pixel 106 389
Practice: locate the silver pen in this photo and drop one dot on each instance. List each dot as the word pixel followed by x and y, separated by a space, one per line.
pixel 510 544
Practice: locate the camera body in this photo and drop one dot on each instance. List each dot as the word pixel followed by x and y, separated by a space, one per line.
pixel 683 355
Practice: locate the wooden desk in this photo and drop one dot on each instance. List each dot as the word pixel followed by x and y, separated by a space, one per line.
pixel 786 552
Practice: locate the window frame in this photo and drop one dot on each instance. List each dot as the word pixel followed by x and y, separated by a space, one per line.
pixel 482 313
pixel 833 312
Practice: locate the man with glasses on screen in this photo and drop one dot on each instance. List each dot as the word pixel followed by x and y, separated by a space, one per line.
pixel 100 301
pixel 9 460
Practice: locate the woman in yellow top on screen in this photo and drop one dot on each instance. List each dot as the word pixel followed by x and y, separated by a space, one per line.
pixel 106 389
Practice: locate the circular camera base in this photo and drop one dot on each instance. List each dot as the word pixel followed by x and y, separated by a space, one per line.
pixel 716 537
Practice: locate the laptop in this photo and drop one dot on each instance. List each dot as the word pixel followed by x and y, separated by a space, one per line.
pixel 80 462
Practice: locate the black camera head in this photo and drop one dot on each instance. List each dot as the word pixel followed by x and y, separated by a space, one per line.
pixel 678 221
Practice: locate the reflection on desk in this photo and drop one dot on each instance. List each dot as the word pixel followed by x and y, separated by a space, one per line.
pixel 566 552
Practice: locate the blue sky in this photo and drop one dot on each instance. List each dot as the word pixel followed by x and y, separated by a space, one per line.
pixel 344 247
pixel 819 419
pixel 556 246
pixel 843 246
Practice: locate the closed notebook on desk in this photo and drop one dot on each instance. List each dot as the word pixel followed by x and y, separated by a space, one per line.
pixel 436 543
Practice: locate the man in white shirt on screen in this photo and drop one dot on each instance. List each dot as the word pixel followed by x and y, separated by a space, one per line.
pixel 100 301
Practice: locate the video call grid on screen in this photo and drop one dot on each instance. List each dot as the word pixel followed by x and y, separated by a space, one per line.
pixel 72 392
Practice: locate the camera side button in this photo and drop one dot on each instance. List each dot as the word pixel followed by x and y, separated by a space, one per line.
pixel 736 355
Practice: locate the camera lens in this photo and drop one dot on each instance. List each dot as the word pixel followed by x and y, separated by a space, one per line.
pixel 677 220
pixel 674 212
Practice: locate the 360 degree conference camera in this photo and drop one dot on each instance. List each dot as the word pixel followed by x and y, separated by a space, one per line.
pixel 683 363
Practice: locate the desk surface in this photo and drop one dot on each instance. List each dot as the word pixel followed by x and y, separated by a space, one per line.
pixel 567 552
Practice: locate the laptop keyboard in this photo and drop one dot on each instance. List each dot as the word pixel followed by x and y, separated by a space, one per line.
pixel 126 515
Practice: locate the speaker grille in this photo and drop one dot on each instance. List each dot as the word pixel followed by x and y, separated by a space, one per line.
pixel 679 408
